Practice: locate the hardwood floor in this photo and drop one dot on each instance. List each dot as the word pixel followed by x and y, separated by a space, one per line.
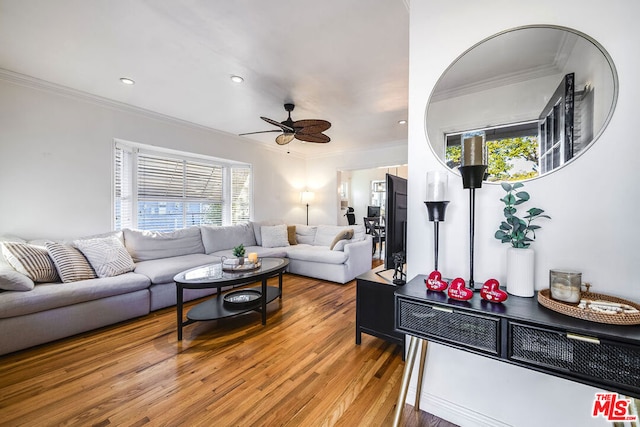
pixel 302 369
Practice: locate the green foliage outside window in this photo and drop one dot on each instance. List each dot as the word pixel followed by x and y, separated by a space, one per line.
pixel 503 155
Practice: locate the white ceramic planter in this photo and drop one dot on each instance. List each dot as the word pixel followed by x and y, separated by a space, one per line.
pixel 520 272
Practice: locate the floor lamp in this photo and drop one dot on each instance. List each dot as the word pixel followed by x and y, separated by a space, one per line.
pixel 305 198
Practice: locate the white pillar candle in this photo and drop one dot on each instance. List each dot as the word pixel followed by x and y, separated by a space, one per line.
pixel 437 182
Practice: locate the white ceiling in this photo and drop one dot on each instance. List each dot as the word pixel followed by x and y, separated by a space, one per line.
pixel 345 61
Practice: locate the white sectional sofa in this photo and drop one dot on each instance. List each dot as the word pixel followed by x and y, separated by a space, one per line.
pixel 140 270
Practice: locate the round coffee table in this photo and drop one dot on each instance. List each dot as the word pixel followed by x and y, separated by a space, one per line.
pixel 214 276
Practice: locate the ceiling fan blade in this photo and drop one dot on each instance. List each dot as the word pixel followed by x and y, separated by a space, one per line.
pixel 285 128
pixel 309 127
pixel 284 139
pixel 262 131
pixel 316 137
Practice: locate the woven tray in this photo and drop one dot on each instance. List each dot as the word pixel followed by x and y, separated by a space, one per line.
pixel 569 309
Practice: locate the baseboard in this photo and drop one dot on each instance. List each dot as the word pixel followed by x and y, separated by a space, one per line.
pixel 453 412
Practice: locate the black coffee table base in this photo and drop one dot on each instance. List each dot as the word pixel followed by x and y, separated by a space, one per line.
pixel 215 308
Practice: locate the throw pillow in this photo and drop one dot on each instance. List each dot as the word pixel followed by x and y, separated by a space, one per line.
pixel 72 266
pixel 342 235
pixel 11 280
pixel 291 234
pixel 274 236
pixel 32 261
pixel 107 256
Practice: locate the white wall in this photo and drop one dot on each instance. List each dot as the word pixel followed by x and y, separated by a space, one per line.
pixel 322 177
pixel 56 160
pixel 593 202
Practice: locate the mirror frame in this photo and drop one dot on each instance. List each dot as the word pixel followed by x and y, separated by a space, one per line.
pixel 596 136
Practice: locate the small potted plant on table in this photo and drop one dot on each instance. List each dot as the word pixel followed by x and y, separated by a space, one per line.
pixel 238 252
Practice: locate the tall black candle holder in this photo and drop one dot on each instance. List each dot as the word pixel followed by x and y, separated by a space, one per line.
pixel 436 212
pixel 472 177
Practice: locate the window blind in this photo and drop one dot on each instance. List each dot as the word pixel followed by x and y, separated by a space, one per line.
pixel 175 192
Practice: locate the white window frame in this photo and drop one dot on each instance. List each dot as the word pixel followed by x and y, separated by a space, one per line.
pixel 136 148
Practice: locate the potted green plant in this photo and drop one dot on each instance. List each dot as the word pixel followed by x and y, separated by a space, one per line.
pixel 516 230
pixel 238 252
pixel 519 232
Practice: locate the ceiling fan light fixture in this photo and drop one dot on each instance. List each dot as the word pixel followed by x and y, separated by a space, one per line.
pixel 284 139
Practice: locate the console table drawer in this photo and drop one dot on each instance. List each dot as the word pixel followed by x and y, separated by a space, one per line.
pixel 448 326
pixel 600 362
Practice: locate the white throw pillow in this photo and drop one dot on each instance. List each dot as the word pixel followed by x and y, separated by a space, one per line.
pixel 11 280
pixel 107 256
pixel 274 236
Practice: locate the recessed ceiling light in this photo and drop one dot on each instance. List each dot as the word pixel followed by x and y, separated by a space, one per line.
pixel 127 81
pixel 237 79
pixel 402 122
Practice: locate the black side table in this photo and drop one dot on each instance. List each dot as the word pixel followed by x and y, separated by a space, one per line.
pixel 375 308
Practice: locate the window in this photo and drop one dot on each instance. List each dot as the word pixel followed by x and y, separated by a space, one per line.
pixel 164 191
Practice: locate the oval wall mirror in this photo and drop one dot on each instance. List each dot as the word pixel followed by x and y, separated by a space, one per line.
pixel 539 95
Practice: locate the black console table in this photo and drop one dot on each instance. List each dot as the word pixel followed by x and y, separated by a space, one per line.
pixel 522 332
pixel 375 302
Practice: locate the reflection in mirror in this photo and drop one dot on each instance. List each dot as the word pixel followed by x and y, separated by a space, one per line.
pixel 540 95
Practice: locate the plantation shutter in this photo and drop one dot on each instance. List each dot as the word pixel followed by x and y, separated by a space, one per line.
pixel 240 195
pixel 123 188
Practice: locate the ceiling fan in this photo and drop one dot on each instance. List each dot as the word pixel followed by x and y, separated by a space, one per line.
pixel 309 130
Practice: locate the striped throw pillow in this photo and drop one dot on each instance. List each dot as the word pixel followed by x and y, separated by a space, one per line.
pixel 107 256
pixel 32 261
pixel 72 266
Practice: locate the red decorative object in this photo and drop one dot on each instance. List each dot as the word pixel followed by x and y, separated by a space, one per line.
pixel 459 291
pixel 435 283
pixel 491 291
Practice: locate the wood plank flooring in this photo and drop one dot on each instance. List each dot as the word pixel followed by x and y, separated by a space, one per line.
pixel 302 369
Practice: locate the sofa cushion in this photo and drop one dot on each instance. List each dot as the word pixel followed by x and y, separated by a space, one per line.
pixel 147 245
pixel 107 256
pixel 305 234
pixel 257 228
pixel 320 254
pixel 47 296
pixel 274 236
pixel 30 260
pixel 163 270
pixel 70 263
pixel 11 280
pixel 226 237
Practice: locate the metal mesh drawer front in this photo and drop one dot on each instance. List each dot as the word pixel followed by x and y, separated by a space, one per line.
pixel 605 362
pixel 464 329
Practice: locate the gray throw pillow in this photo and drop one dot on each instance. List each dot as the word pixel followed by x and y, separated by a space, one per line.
pixel 274 236
pixel 11 280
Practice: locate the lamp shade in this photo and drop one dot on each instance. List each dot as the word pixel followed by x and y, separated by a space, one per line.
pixel 306 197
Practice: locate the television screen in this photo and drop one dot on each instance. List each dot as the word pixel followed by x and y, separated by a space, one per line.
pixel 395 219
pixel 373 211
